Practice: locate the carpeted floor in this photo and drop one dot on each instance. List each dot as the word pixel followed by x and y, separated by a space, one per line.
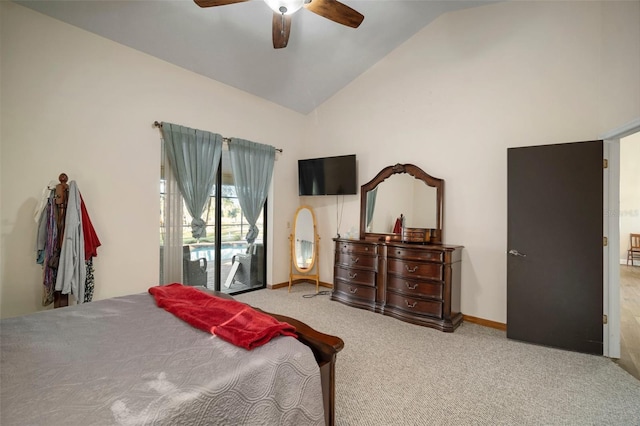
pixel 394 373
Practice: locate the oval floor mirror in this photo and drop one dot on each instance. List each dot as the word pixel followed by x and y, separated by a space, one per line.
pixel 304 247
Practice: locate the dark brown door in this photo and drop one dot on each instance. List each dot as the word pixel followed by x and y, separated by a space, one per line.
pixel 555 245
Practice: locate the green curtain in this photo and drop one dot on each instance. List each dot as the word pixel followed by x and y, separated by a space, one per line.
pixel 252 167
pixel 194 156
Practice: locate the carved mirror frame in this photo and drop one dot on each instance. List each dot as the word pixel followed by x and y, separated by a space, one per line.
pixel 417 173
pixel 297 272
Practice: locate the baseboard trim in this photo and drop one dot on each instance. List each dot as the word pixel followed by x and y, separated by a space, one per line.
pixel 466 318
pixel 484 322
pixel 286 284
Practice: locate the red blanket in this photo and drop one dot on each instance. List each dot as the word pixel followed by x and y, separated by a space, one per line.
pixel 230 320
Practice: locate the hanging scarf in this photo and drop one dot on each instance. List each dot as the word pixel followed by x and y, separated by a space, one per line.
pixel 51 253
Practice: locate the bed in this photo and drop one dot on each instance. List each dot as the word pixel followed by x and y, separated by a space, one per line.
pixel 125 361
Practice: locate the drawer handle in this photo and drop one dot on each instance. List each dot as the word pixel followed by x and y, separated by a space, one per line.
pixel 415 268
pixel 353 290
pixel 355 259
pixel 411 288
pixel 352 276
pixel 366 249
pixel 410 305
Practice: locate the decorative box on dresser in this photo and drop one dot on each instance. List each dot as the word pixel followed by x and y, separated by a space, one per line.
pixel 409 275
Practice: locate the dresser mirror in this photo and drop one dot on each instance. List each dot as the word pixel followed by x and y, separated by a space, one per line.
pixel 304 247
pixel 406 191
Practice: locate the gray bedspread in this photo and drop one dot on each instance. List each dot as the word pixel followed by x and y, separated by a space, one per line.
pixel 124 361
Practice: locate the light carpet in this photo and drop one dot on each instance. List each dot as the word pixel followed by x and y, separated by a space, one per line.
pixel 394 373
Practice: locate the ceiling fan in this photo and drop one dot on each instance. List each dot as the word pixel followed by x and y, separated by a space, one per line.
pixel 283 9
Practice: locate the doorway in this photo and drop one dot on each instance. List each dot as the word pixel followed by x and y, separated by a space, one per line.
pixel 629 219
pixel 612 304
pixel 611 226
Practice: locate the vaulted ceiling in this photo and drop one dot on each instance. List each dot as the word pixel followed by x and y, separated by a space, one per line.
pixel 232 43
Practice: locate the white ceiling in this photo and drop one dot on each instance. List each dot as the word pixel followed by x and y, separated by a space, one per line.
pixel 232 44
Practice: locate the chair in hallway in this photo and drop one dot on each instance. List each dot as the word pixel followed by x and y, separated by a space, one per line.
pixel 634 248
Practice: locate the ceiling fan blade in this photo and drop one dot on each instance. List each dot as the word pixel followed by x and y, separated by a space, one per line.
pixel 281 30
pixel 336 11
pixel 212 3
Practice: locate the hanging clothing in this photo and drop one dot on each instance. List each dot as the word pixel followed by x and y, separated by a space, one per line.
pixel 71 268
pixel 91 241
pixel 67 258
pixel 47 238
pixel 91 244
pixel 43 232
pixel 89 283
pixel 42 203
pixel 40 214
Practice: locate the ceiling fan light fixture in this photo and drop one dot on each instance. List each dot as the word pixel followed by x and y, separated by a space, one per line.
pixel 285 7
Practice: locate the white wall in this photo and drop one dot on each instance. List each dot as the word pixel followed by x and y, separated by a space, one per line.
pixel 77 103
pixel 629 191
pixel 450 100
pixel 454 97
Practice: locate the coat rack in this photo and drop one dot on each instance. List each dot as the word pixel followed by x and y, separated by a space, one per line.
pixel 66 244
pixel 61 198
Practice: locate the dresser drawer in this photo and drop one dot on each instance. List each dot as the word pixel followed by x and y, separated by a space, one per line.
pixel 356 248
pixel 414 288
pixel 411 269
pixel 355 291
pixel 415 254
pixel 414 305
pixel 355 276
pixel 356 259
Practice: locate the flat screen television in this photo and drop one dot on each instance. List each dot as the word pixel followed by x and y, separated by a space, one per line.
pixel 328 176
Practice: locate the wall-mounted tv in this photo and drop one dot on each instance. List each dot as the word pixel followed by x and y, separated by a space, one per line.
pixel 328 176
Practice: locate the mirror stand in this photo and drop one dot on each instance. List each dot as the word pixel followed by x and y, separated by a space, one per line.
pixel 304 241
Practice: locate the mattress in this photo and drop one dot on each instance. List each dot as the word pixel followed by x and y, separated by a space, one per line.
pixel 124 361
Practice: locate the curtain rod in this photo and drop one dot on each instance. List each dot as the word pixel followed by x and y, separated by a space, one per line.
pixel 159 125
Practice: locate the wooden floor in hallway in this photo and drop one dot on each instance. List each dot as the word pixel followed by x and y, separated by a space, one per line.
pixel 630 319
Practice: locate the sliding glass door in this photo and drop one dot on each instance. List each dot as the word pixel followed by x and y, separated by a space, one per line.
pixel 222 260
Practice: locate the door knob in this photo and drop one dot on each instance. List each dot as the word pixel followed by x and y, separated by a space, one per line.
pixel 513 252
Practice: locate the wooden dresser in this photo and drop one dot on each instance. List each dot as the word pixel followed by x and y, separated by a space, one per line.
pixel 412 282
pixel 355 274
